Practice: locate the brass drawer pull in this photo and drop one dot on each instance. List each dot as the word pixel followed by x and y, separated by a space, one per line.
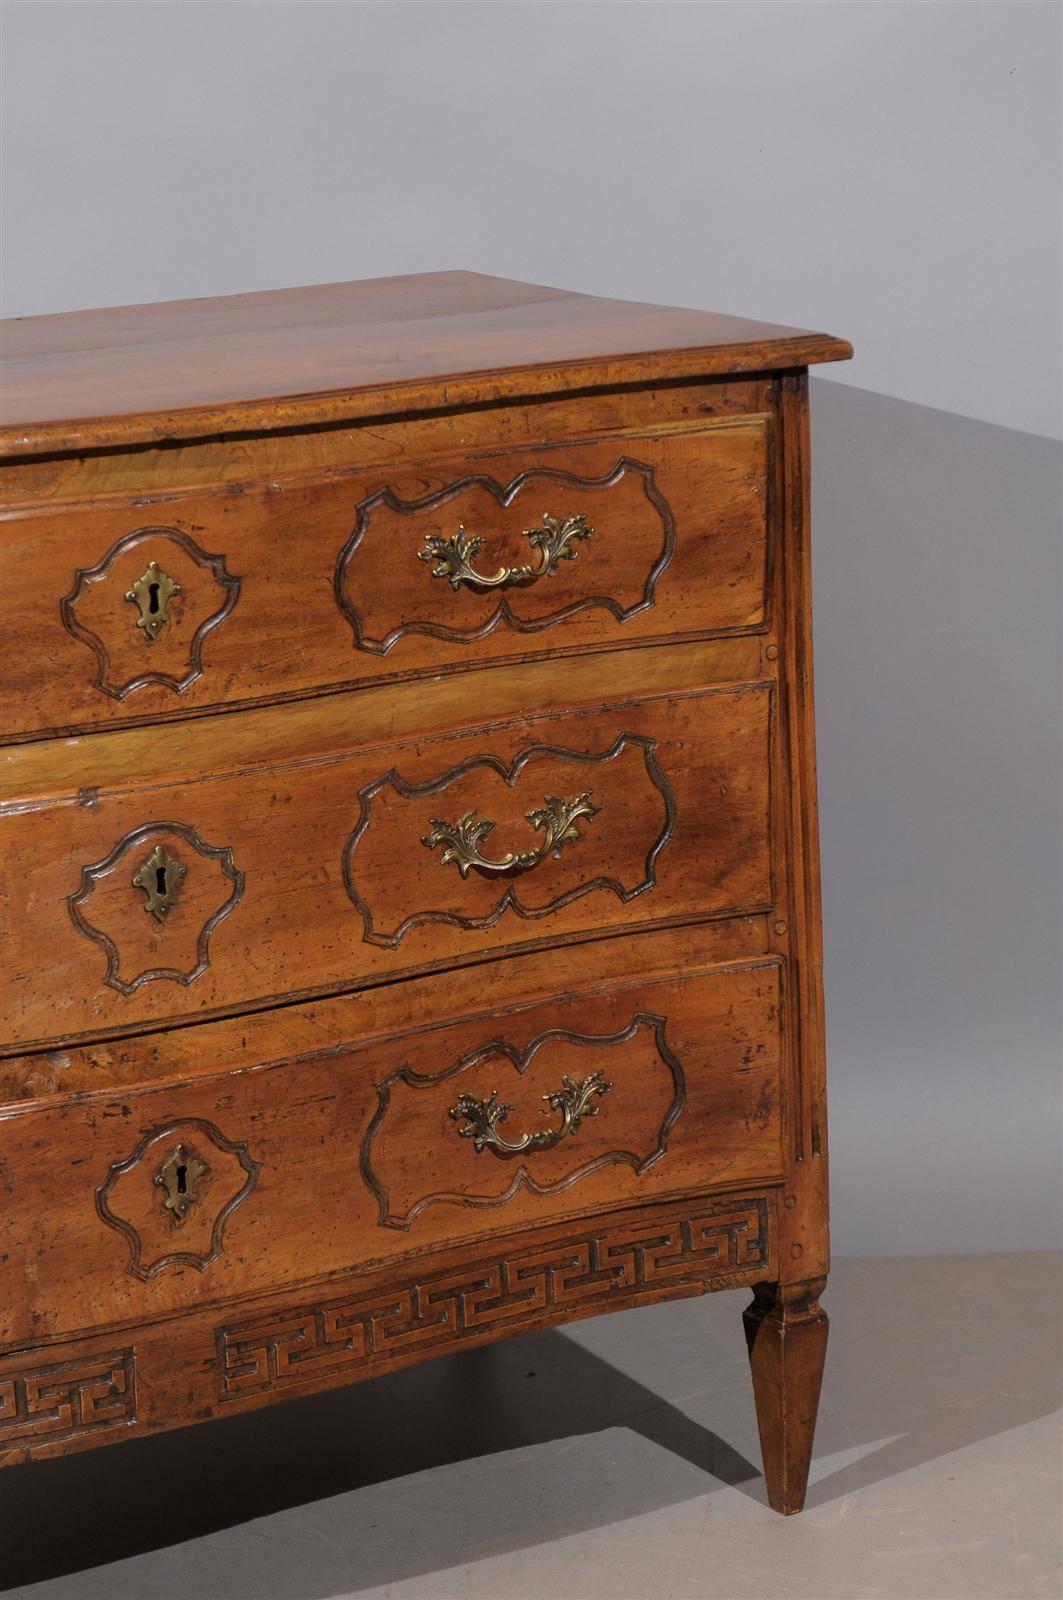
pixel 462 839
pixel 555 541
pixel 481 1118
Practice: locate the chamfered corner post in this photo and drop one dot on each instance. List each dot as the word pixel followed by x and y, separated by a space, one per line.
pixel 786 1334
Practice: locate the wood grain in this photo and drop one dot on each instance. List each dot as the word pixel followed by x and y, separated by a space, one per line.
pixel 179 1056
pixel 236 1148
pixel 806 1243
pixel 786 1333
pixel 331 850
pixel 101 1388
pixel 46 772
pixel 298 1155
pixel 180 466
pixel 304 357
pixel 287 589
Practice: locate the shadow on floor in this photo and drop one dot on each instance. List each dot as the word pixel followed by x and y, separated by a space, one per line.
pixel 513 1447
pixel 938 681
pixel 936 1354
pixel 152 1493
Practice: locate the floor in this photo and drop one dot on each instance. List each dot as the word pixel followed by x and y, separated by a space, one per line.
pixel 614 1459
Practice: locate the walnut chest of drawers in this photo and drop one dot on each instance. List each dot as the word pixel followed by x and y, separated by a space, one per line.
pixel 411 925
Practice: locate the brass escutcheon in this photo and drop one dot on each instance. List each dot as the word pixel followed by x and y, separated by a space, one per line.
pixel 159 877
pixel 555 541
pixel 462 839
pixel 177 1177
pixel 481 1118
pixel 151 594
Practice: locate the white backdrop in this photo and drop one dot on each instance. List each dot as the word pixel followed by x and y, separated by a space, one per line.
pixel 887 171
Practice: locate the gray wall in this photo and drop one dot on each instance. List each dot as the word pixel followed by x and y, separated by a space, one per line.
pixel 889 172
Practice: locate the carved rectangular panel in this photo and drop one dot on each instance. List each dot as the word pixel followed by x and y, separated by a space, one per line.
pixel 568 822
pixel 54 1402
pixel 319 871
pixel 219 1359
pixel 541 1116
pixel 290 586
pixel 680 1250
pixel 326 1148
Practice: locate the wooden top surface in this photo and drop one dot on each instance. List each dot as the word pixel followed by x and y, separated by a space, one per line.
pixel 296 357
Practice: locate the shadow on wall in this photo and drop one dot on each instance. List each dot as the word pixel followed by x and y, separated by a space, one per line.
pixel 938 600
pixel 937 551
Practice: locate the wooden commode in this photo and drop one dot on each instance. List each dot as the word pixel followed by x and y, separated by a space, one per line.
pixel 411 913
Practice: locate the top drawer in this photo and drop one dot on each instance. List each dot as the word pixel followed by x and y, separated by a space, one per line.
pixel 134 609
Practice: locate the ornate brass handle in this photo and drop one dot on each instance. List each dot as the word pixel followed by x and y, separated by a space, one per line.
pixel 555 541
pixel 462 839
pixel 481 1118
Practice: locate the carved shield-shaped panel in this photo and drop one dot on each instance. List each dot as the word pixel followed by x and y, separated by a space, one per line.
pixel 153 902
pixel 145 611
pixel 490 836
pixel 172 1197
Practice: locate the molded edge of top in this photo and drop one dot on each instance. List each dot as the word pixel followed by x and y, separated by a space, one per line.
pixel 377 328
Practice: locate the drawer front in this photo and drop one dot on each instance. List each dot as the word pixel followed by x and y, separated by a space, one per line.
pixel 130 1204
pixel 105 1385
pixel 132 906
pixel 131 610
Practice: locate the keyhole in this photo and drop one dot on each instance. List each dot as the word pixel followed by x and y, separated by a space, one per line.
pixel 182 1178
pixel 162 888
pixel 153 599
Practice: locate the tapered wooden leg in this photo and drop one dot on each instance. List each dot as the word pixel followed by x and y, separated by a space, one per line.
pixel 786 1331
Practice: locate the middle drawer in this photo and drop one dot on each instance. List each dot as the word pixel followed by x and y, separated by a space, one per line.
pixel 148 900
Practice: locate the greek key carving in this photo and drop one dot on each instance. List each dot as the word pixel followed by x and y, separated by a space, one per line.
pixel 679 1251
pixel 48 1404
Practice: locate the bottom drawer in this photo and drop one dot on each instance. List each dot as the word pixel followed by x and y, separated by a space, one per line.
pixel 288 1147
pixel 216 1361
